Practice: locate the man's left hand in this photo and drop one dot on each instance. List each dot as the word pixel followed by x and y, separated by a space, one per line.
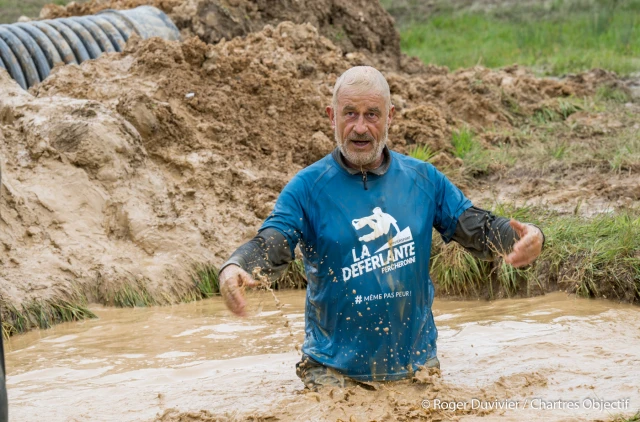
pixel 528 248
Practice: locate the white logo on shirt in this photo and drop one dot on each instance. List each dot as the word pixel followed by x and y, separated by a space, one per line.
pixel 379 222
pixel 400 247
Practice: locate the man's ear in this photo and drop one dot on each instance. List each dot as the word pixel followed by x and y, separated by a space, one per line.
pixel 332 116
pixel 392 112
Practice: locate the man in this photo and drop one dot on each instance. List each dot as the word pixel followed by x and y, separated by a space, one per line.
pixel 368 310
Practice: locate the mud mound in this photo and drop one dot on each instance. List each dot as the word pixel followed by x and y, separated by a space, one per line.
pixel 428 397
pixel 264 95
pixel 52 11
pixel 361 25
pixel 83 209
pixel 173 415
pixel 123 171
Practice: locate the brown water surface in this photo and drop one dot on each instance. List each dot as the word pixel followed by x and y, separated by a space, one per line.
pixel 553 357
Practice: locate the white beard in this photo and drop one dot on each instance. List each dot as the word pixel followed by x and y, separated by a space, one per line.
pixel 362 158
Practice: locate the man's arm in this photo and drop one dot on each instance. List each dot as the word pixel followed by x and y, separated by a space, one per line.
pixel 487 236
pixel 268 251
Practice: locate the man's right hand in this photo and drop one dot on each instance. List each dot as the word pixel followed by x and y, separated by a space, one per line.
pixel 233 280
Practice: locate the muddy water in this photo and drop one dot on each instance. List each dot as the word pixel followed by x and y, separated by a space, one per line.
pixel 545 357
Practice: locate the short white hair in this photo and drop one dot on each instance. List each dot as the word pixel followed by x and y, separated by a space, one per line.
pixel 365 78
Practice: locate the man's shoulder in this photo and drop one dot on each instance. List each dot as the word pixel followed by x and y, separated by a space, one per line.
pixel 413 165
pixel 421 173
pixel 312 174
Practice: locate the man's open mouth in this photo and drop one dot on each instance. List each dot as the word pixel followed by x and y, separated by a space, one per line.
pixel 361 143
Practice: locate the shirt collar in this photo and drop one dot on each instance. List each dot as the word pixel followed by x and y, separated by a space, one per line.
pixel 379 171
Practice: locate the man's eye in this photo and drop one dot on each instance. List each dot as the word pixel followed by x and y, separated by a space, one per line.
pixel 350 114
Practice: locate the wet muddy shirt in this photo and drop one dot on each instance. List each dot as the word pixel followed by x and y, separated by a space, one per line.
pixel 366 255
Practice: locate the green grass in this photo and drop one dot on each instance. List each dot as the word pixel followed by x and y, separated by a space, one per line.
pixel 558 111
pixel 592 257
pixel 11 10
pixel 634 418
pixel 463 142
pixel 471 152
pixel 570 36
pixel 466 147
pixel 294 277
pixel 42 314
pixel 456 271
pixel 129 294
pixel 422 153
pixel 205 279
pixel 609 93
pixel 604 138
pixel 132 295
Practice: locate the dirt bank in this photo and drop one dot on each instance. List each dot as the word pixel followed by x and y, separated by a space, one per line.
pixel 122 172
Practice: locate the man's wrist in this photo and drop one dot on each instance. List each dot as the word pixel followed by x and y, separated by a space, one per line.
pixel 234 260
pixel 541 234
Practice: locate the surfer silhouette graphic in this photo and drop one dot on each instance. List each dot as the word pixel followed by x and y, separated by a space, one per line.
pixel 379 222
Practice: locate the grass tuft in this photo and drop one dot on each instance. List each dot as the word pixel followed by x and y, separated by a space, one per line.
pixel 567 108
pixel 130 295
pixel 544 115
pixel 612 93
pixel 205 279
pixel 456 270
pixel 557 111
pixel 294 277
pixel 422 153
pixel 463 142
pixel 42 314
pixel 634 418
pixel 466 147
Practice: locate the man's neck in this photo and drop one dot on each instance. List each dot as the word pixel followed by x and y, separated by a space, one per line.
pixel 365 167
pixel 378 171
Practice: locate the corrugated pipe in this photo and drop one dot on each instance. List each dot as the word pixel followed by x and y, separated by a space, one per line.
pixel 28 51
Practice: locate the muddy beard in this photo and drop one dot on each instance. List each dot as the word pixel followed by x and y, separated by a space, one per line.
pixel 362 158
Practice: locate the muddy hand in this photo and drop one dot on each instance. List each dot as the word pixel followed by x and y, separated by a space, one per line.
pixel 528 248
pixel 233 281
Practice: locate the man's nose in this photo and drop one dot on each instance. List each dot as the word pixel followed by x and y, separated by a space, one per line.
pixel 361 126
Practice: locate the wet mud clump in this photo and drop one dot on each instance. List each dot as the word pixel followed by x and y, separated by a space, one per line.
pixel 426 397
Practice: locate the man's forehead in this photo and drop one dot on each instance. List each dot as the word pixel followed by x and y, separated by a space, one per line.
pixel 351 96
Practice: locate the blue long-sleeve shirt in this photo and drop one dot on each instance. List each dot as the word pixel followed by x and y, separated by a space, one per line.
pixel 366 254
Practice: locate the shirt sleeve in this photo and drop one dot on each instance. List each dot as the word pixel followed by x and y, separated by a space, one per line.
pixel 450 204
pixel 483 234
pixel 289 216
pixel 268 251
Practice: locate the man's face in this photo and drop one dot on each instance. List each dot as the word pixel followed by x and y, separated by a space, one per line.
pixel 361 124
